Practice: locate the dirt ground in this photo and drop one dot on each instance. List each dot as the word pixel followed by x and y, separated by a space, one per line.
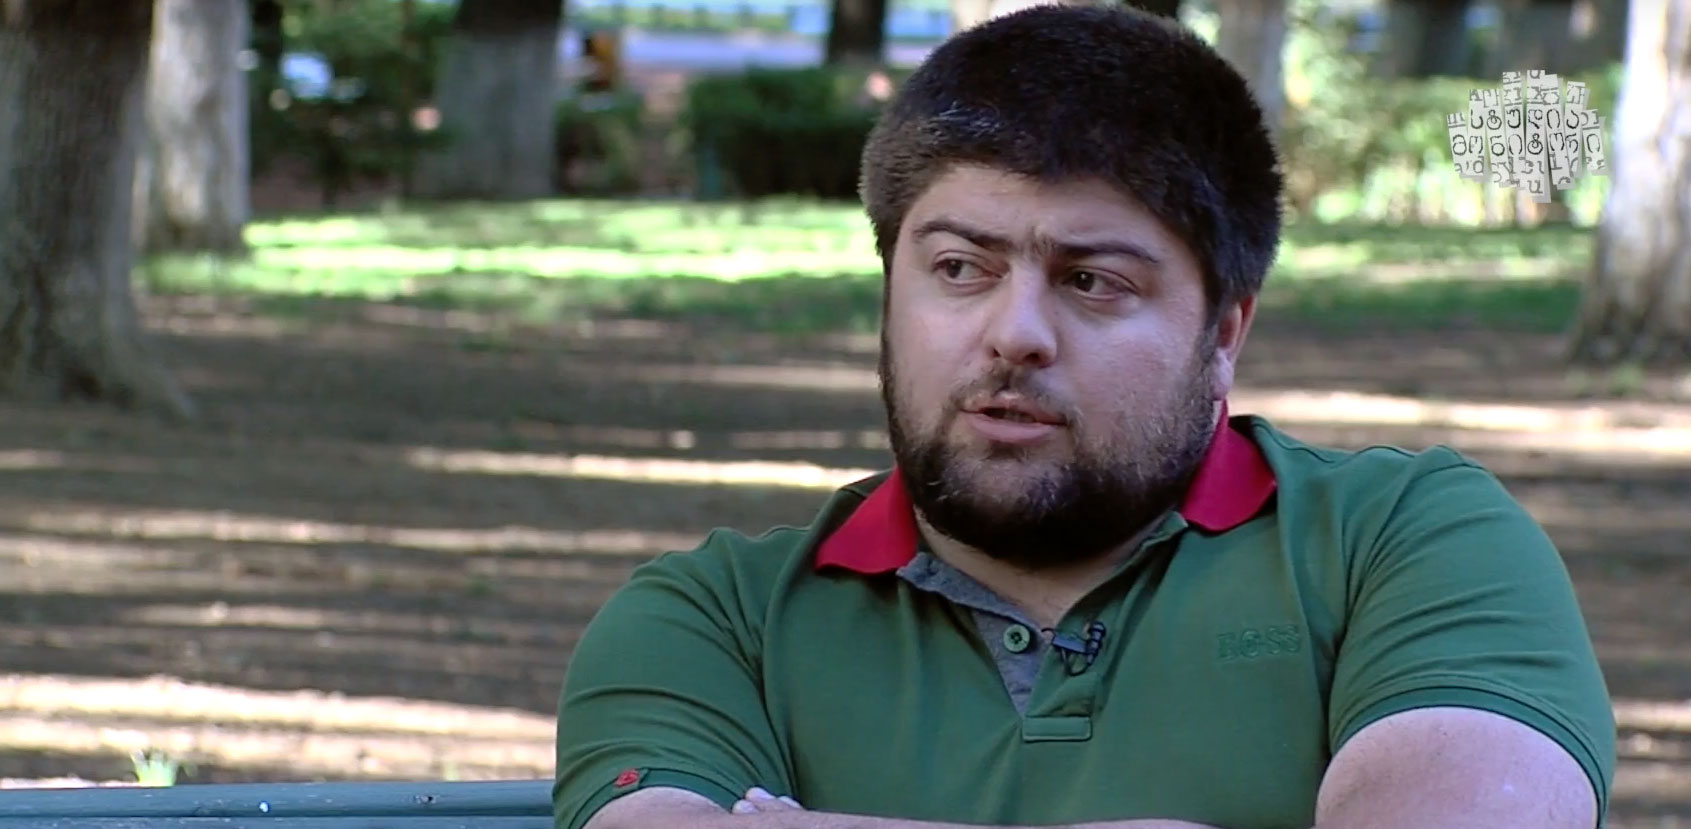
pixel 373 555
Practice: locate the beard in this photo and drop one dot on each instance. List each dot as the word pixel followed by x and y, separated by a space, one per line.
pixel 1071 510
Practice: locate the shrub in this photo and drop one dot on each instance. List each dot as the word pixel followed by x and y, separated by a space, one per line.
pixel 358 124
pixel 1359 147
pixel 781 131
pixel 598 140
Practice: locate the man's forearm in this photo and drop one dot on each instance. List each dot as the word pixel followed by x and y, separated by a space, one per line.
pixel 760 810
pixel 824 820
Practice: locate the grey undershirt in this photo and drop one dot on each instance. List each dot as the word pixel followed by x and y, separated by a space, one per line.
pixel 993 616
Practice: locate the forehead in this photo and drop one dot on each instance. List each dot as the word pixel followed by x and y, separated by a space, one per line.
pixel 1032 213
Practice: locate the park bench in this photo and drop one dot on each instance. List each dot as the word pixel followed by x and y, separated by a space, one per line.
pixel 501 804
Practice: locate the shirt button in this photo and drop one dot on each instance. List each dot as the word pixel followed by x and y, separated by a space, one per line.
pixel 1017 638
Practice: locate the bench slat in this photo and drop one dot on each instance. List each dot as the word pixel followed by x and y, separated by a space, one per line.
pixel 343 822
pixel 519 798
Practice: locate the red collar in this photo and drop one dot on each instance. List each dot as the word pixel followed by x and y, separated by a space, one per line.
pixel 1231 486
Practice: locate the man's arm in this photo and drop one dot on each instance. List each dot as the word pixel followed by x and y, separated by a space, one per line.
pixel 1466 692
pixel 674 807
pixel 1454 768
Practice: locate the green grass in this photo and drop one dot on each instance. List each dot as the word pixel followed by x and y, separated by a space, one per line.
pixel 793 265
pixel 155 768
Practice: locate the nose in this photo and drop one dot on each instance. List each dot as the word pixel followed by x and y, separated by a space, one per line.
pixel 1020 329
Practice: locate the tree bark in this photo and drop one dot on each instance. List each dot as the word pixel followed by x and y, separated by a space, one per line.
pixel 966 14
pixel 856 33
pixel 1425 38
pixel 72 84
pixel 268 38
pixel 1637 297
pixel 1537 35
pixel 192 176
pixel 1252 36
pixel 497 98
pixel 1166 8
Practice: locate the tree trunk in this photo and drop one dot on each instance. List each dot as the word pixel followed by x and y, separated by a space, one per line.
pixel 72 88
pixel 1637 298
pixel 1424 39
pixel 269 40
pixel 497 99
pixel 1166 8
pixel 1537 34
pixel 966 14
pixel 409 99
pixel 856 33
pixel 191 179
pixel 1252 36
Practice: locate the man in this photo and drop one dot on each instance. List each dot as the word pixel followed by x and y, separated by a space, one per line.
pixel 1087 594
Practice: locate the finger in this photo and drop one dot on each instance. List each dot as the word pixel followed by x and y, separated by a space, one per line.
pixel 762 800
pixel 745 807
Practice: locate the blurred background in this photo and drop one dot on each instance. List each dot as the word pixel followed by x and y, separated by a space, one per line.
pixel 353 351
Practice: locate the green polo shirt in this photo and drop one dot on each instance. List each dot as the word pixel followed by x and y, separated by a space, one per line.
pixel 1298 594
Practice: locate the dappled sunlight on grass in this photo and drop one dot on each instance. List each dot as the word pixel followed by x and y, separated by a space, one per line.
pixel 1617 432
pixel 1337 406
pixel 1653 715
pixel 648 470
pixel 223 526
pixel 164 698
pixel 1565 507
pixel 810 439
pixel 1654 753
pixel 1618 446
pixel 581 258
pixel 306 733
pixel 365 622
pixel 325 269
pixel 1362 243
pixel 18 460
pixel 687 439
pixel 43 460
pixel 838 378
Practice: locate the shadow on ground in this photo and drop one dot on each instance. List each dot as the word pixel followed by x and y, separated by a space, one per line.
pixel 426 506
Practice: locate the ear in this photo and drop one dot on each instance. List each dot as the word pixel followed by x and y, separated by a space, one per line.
pixel 1232 326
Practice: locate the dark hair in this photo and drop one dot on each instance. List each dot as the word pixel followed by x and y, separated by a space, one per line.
pixel 1067 92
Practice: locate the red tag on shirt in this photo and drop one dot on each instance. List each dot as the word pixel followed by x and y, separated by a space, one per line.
pixel 628 778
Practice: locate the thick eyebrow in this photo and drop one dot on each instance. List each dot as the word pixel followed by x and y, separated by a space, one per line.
pixel 1043 245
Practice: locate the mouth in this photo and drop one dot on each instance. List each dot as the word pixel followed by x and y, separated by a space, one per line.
pixel 1016 412
pixel 1012 415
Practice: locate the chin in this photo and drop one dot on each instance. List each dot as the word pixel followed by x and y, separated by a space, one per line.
pixel 1010 483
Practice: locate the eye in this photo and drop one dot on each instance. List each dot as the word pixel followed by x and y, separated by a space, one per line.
pixel 958 270
pixel 1094 283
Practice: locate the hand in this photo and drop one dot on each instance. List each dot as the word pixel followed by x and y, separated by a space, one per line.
pixel 758 801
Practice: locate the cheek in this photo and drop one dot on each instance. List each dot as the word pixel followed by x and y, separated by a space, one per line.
pixel 921 368
pixel 926 368
pixel 1130 380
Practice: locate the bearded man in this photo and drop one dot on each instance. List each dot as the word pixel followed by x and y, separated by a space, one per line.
pixel 1086 594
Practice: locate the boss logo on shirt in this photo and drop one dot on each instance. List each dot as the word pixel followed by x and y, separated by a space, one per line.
pixel 1258 642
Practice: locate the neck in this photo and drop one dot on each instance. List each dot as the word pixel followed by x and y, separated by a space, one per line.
pixel 1045 594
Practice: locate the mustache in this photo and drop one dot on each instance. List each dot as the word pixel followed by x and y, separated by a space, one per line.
pixel 1013 381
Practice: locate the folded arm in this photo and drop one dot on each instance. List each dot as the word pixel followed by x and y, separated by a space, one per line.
pixel 1454 768
pixel 675 807
pixel 1465 693
pixel 1448 767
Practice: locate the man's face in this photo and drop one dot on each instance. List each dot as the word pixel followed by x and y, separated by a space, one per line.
pixel 1049 376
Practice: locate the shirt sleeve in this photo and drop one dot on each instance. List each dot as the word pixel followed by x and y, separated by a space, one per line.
pixel 1464 601
pixel 663 691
